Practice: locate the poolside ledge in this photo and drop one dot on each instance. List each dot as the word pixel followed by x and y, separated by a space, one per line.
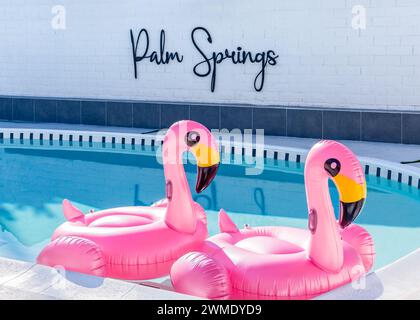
pixel 397 281
pixel 28 281
pixel 22 280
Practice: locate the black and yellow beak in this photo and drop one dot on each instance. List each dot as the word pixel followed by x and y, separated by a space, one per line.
pixel 208 160
pixel 349 212
pixel 205 176
pixel 352 198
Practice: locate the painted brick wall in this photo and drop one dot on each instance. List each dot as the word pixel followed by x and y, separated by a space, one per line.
pixel 322 60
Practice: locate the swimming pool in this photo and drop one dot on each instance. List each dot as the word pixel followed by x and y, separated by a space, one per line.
pixel 35 178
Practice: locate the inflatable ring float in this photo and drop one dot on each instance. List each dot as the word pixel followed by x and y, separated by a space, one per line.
pixel 288 263
pixel 139 243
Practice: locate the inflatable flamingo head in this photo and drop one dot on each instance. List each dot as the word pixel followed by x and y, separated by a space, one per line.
pixel 190 136
pixel 330 159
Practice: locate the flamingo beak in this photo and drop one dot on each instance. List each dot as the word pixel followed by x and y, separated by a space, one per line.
pixel 349 212
pixel 208 160
pixel 352 198
pixel 205 176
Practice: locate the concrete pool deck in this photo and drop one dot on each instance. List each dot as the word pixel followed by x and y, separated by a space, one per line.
pixel 29 281
pixel 23 280
pixel 399 280
pixel 378 150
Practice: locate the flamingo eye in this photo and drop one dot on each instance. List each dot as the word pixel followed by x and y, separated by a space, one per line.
pixel 332 166
pixel 192 138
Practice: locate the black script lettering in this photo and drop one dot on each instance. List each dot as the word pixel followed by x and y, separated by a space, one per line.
pixel 161 57
pixel 239 56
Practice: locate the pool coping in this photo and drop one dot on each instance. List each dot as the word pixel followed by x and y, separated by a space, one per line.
pixel 21 280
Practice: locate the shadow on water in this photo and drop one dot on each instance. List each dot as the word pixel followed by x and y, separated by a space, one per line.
pixel 260 200
pixel 137 201
pixel 6 215
pixel 208 201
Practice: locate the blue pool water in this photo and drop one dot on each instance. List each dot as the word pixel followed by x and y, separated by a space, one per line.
pixel 35 179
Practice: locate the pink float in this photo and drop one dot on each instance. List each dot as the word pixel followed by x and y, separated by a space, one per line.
pixel 288 263
pixel 141 242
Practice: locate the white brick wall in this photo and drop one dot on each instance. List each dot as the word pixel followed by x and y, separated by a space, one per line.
pixel 323 60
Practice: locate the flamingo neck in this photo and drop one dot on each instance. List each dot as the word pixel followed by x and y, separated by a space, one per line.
pixel 325 244
pixel 180 214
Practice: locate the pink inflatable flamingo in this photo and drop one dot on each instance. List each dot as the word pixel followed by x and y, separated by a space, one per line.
pixel 141 242
pixel 288 263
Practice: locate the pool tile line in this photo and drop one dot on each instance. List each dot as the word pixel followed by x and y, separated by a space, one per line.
pixel 379 168
pixel 344 122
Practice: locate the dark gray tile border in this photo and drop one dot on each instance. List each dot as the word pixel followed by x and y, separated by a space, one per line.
pixel 23 109
pixel 365 125
pixel 119 114
pixel 45 110
pixel 304 123
pixel 69 111
pixel 411 128
pixel 6 109
pixel 343 125
pixel 146 115
pixel 172 113
pixel 235 117
pixel 381 127
pixel 272 120
pixel 93 113
pixel 208 115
